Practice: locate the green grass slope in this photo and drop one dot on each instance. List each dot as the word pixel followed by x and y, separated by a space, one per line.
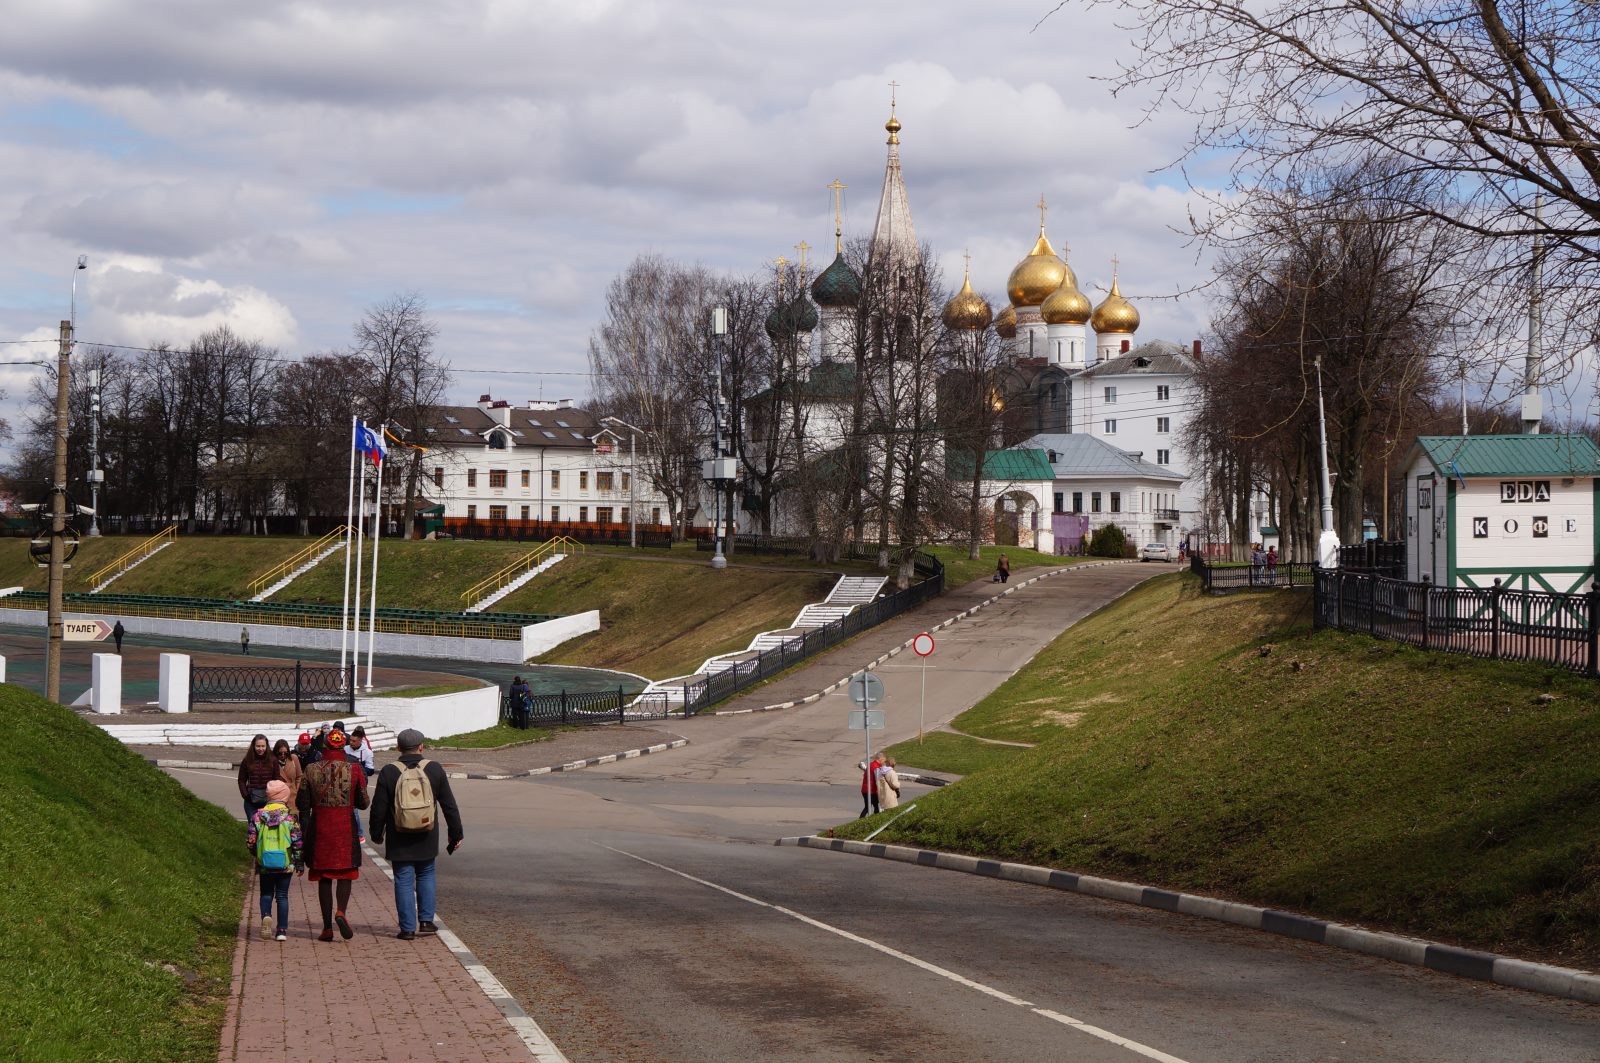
pixel 412 573
pixel 1219 745
pixel 208 566
pixel 110 874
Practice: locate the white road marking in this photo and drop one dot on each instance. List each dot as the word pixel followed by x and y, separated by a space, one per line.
pixel 931 968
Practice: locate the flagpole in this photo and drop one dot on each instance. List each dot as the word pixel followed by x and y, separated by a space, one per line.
pixel 377 533
pixel 361 517
pixel 349 517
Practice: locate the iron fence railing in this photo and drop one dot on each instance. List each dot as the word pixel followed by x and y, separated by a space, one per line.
pixel 1219 578
pixel 706 691
pixel 257 684
pixel 1497 623
pixel 1375 556
pixel 582 707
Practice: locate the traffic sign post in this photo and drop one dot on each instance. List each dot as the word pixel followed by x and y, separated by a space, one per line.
pixel 866 690
pixel 922 646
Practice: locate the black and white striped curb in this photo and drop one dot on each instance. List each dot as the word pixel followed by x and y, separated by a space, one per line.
pixel 539 1044
pixel 1485 966
pixel 906 645
pixel 576 765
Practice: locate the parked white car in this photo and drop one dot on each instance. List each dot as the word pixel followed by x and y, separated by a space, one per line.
pixel 1156 552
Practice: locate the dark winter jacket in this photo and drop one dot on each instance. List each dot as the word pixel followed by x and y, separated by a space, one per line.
pixel 413 845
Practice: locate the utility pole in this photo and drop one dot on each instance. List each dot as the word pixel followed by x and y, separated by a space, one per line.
pixel 58 522
pixel 1328 543
pixel 1532 405
pixel 633 496
pixel 715 468
pixel 95 475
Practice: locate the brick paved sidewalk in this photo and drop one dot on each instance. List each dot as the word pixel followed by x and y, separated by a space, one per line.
pixel 369 998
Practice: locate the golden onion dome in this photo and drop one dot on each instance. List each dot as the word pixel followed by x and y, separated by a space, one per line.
pixel 1066 305
pixel 1006 324
pixel 1036 276
pixel 1116 314
pixel 967 309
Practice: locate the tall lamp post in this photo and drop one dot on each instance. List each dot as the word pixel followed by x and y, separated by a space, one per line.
pixel 1328 542
pixel 95 475
pixel 716 469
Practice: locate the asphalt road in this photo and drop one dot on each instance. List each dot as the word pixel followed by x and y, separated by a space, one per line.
pixel 640 912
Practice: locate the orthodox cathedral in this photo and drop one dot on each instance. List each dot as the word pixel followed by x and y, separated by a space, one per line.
pixel 1087 440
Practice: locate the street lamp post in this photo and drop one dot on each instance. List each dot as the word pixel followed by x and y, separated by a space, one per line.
pixel 1328 542
pixel 715 471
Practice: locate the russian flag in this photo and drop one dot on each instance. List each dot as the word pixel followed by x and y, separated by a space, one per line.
pixel 370 443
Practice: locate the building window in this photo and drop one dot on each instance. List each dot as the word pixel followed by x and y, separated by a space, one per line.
pixel 1111 427
pixel 655 515
pixel 497 441
pixel 527 477
pixel 1077 501
pixel 497 513
pixel 1116 501
pixel 583 514
pixel 625 514
pixel 602 515
pixel 1163 457
pixel 555 479
pixel 472 512
pixel 524 513
pixel 1163 393
pixel 555 512
pixel 1111 394
pixel 1061 499
pixel 1163 424
pixel 472 477
pixel 583 480
pixel 497 478
pixel 603 481
pixel 627 481
pixel 438 476
pixel 1094 501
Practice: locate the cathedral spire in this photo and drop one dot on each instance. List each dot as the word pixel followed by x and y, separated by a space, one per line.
pixel 894 238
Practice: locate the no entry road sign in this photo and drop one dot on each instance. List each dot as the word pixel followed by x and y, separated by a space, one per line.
pixel 922 645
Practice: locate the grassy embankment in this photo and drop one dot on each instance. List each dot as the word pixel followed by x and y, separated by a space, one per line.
pixel 1221 746
pixel 120 893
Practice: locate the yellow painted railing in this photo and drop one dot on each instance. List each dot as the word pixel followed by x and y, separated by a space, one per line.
pixel 277 572
pixel 561 544
pixel 138 553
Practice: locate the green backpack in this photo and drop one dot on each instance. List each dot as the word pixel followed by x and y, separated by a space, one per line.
pixel 272 846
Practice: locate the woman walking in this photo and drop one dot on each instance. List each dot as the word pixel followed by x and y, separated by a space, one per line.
pixel 337 787
pixel 288 770
pixel 256 770
pixel 274 838
pixel 888 784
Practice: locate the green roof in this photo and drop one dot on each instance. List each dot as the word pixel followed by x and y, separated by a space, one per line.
pixel 1000 465
pixel 1541 455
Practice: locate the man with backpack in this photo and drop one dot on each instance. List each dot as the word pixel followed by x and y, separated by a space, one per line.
pixel 404 818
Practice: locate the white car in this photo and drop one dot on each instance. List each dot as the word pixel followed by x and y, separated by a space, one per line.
pixel 1156 552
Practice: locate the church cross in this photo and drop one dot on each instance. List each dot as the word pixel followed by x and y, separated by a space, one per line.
pixel 838 187
pixel 802 247
pixel 1042 210
pixel 893 87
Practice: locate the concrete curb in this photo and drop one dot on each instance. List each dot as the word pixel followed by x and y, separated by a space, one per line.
pixel 906 645
pixel 576 765
pixel 1564 982
pixel 539 1044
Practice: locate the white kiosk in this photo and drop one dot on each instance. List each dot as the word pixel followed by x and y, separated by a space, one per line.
pixel 1520 509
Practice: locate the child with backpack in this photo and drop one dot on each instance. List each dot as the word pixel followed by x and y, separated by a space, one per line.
pixel 274 837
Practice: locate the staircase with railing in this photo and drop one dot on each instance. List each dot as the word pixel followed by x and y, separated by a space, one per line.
pixel 492 588
pixel 281 575
pixel 104 577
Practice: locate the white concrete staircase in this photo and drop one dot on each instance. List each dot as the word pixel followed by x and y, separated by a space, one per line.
pixel 291 577
pixel 479 607
pixel 846 595
pixel 109 580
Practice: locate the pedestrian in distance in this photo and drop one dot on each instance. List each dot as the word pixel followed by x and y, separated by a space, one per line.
pixel 405 807
pixel 337 787
pixel 274 837
pixel 244 641
pixel 256 770
pixel 117 633
pixel 1002 569
pixel 869 786
pixel 888 784
pixel 289 770
pixel 521 703
pixel 1272 565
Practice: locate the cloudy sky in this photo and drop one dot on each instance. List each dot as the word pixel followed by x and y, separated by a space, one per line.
pixel 281 169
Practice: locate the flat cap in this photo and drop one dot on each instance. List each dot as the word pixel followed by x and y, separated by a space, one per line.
pixel 410 738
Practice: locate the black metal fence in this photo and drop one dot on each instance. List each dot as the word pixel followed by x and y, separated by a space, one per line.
pixel 1219 578
pixel 256 684
pixel 702 693
pixel 1497 624
pixel 656 536
pixel 757 545
pixel 582 707
pixel 1375 556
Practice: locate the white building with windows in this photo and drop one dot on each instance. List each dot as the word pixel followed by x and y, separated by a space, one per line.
pixel 533 466
pixel 1097 484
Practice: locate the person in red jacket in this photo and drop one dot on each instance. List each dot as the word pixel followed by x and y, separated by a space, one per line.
pixel 869 785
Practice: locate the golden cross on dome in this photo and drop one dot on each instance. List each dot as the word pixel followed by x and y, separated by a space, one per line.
pixel 838 188
pixel 893 88
pixel 1115 262
pixel 966 270
pixel 802 247
pixel 1042 210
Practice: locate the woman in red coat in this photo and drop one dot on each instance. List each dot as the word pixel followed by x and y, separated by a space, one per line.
pixel 337 786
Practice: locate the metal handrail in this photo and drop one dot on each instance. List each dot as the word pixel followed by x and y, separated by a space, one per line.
pixel 282 569
pixel 566 543
pixel 126 561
